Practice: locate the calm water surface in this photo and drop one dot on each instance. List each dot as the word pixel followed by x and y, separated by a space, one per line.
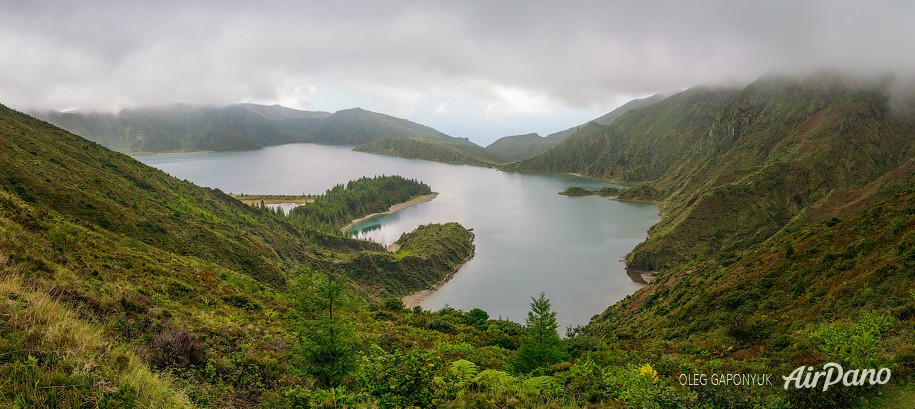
pixel 528 238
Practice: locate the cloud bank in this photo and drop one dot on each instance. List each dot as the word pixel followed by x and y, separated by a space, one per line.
pixel 492 63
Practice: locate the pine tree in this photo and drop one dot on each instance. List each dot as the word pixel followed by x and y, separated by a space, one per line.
pixel 329 340
pixel 540 343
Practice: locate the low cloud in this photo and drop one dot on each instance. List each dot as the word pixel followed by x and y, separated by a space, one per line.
pixel 530 57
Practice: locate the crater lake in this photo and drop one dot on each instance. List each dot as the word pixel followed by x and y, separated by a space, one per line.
pixel 528 238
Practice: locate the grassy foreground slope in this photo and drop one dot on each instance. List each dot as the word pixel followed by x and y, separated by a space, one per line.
pixel 122 286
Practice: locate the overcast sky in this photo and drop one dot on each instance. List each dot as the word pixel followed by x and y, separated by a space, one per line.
pixel 477 69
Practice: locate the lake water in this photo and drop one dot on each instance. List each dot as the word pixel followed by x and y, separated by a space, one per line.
pixel 528 237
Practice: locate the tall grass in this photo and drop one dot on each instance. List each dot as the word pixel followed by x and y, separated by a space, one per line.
pixel 51 357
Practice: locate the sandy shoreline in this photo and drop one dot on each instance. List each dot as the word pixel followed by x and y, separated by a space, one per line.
pixel 393 209
pixel 413 299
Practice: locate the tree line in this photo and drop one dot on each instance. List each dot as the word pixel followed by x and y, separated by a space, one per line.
pixel 342 204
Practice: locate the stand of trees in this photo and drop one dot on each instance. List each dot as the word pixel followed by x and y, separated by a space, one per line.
pixel 358 198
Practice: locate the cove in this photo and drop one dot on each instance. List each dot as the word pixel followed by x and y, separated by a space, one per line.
pixel 528 238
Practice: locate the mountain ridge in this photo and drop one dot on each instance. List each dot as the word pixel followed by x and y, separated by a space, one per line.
pixel 519 147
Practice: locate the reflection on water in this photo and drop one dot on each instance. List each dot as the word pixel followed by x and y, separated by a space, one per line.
pixel 285 206
pixel 528 238
pixel 638 276
pixel 363 230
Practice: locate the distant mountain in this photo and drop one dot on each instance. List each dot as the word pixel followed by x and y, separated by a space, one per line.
pixel 384 134
pixel 249 126
pixel 520 147
pixel 183 127
pixel 452 150
pixel 357 126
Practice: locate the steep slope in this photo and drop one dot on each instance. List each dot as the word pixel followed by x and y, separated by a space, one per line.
pixel 520 147
pixel 834 285
pixel 628 149
pixel 189 128
pixel 611 116
pixel 787 236
pixel 734 166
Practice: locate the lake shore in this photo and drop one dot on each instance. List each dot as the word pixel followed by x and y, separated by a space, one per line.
pixel 413 299
pixel 393 209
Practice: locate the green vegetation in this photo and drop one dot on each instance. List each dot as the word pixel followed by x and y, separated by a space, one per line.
pixel 256 199
pixel 440 150
pixel 242 127
pixel 329 342
pixel 540 344
pixel 519 147
pixel 580 191
pixel 124 286
pixel 788 240
pixel 189 128
pixel 357 126
pixel 788 210
pixel 342 204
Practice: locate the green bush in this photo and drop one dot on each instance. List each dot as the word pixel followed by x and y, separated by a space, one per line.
pixel 402 379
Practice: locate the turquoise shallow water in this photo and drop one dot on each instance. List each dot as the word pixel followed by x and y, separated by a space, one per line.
pixel 528 237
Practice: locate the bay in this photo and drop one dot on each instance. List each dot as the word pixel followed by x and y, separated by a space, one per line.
pixel 528 238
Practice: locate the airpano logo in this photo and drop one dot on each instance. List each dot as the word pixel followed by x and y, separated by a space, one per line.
pixel 804 377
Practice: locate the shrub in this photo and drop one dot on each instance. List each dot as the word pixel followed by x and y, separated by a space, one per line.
pixel 176 349
pixel 401 379
pixel 750 329
pixel 394 304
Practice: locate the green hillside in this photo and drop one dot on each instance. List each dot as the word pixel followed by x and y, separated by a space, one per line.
pixel 250 126
pixel 787 228
pixel 189 128
pixel 451 150
pixel 122 285
pixel 520 147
